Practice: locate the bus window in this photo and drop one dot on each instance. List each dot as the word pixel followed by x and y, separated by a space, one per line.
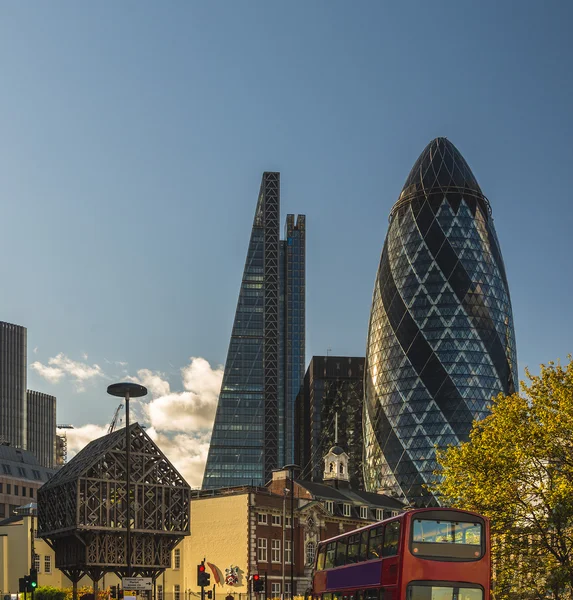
pixel 371 594
pixel 391 538
pixel 320 559
pixel 456 540
pixel 352 555
pixel 330 553
pixel 364 545
pixel 340 559
pixel 359 595
pixel 326 596
pixel 375 543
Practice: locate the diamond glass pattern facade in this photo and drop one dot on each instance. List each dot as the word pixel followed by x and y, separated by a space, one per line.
pixel 252 433
pixel 441 341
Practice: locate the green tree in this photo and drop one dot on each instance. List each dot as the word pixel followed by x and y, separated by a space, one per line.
pixel 517 469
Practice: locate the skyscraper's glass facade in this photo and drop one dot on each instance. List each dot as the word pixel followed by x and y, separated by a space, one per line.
pixel 441 340
pixel 13 377
pixel 256 406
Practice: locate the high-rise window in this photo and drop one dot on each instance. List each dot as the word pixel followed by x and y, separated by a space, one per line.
pixel 262 550
pixel 37 562
pixel 177 558
pixel 47 563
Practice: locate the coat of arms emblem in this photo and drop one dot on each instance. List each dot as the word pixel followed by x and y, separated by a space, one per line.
pixel 232 575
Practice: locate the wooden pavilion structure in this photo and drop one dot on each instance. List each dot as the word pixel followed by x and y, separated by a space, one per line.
pixel 82 509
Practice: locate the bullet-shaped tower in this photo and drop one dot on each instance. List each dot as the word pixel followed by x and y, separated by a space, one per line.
pixel 441 341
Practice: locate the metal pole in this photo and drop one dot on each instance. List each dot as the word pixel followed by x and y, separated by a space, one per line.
pixel 283 596
pixel 127 482
pixel 292 533
pixel 32 542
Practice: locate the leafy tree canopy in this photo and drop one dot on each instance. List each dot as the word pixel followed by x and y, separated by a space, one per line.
pixel 517 469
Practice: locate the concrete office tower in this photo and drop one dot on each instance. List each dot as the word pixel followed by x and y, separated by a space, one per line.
pixel 440 340
pixel 13 363
pixel 253 429
pixel 332 394
pixel 41 419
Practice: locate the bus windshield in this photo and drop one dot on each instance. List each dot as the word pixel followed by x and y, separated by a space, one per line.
pixel 446 532
pixel 457 540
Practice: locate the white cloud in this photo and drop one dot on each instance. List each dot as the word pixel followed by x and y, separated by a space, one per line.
pixel 61 366
pixel 35 350
pixel 52 374
pixel 187 453
pixel 193 409
pixel 153 380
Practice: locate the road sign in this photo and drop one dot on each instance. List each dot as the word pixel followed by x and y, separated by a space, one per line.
pixel 138 584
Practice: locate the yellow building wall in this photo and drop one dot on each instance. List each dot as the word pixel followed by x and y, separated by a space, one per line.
pixel 219 533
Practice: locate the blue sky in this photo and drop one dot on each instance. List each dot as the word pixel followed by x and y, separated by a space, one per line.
pixel 134 135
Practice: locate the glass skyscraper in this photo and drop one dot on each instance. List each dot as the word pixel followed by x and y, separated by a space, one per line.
pixel 254 423
pixel 13 377
pixel 441 341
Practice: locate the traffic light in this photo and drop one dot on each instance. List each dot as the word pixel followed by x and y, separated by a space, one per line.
pixel 203 578
pixel 33 580
pixel 258 583
pixel 22 585
pixel 113 591
pixel 209 594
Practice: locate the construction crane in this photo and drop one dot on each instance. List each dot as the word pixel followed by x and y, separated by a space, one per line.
pixel 114 420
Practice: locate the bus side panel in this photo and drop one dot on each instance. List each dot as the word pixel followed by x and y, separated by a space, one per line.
pixel 353 576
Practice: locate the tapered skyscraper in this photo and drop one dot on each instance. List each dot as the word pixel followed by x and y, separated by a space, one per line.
pixel 253 429
pixel 440 341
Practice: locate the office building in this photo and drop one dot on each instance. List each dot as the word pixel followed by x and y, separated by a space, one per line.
pixel 13 364
pixel 252 433
pixel 441 341
pixel 41 419
pixel 328 412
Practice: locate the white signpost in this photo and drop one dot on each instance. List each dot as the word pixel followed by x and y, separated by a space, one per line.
pixel 139 584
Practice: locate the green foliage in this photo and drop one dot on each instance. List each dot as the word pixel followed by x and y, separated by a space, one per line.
pixel 517 469
pixel 47 592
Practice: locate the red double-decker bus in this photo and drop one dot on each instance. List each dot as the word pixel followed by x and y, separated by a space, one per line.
pixel 422 554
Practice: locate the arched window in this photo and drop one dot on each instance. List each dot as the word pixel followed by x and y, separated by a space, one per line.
pixel 331 467
pixel 342 468
pixel 310 553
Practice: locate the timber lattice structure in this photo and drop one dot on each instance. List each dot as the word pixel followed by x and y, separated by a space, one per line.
pixel 82 510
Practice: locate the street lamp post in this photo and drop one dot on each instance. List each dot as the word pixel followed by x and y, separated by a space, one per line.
pixel 30 510
pixel 291 470
pixel 126 391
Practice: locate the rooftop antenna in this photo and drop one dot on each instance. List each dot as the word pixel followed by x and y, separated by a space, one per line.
pixel 327 351
pixel 336 428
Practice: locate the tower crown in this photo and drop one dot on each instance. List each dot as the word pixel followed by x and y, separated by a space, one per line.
pixel 336 465
pixel 441 169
